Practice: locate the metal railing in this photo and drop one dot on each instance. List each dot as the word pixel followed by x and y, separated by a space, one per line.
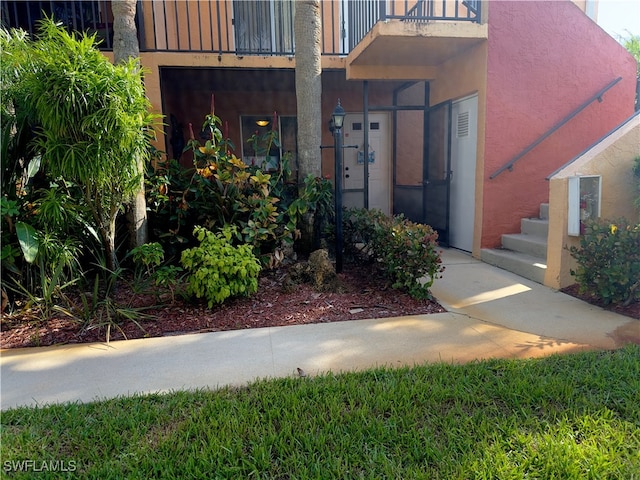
pixel 93 17
pixel 544 136
pixel 242 27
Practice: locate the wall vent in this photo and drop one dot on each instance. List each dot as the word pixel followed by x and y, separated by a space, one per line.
pixel 463 124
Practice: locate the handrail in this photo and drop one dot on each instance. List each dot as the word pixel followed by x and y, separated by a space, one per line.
pixel 597 96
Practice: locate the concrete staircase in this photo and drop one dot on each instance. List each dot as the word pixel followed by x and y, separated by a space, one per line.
pixel 524 253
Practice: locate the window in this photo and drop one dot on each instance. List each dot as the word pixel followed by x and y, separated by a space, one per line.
pixel 258 149
pixel 264 26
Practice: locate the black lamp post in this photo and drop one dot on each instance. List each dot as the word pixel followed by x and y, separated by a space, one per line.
pixel 337 118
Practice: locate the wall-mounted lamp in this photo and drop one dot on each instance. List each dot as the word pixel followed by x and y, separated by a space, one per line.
pixel 262 123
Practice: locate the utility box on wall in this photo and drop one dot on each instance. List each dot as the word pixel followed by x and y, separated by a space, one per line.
pixel 584 202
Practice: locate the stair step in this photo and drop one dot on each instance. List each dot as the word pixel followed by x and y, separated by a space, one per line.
pixel 535 226
pixel 533 245
pixel 526 266
pixel 544 211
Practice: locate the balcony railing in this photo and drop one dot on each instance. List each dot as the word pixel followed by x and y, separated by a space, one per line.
pixel 242 27
pixel 93 17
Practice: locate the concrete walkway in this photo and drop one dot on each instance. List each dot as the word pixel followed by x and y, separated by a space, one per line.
pixel 491 313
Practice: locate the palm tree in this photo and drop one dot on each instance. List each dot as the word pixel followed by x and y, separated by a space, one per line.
pixel 308 85
pixel 125 47
pixel 307 31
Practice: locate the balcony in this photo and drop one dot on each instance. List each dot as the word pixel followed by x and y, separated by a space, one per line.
pixel 257 27
pixel 93 17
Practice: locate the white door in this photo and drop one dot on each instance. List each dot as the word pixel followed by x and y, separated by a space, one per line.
pixel 463 165
pixel 379 162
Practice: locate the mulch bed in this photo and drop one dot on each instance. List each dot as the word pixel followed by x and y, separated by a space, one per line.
pixel 632 310
pixel 365 295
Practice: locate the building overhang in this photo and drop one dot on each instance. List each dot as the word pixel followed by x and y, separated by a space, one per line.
pixel 402 50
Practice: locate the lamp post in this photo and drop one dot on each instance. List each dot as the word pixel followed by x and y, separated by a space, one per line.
pixel 337 118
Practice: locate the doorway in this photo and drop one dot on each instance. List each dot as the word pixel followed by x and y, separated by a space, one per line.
pixel 434 164
pixel 463 178
pixel 379 164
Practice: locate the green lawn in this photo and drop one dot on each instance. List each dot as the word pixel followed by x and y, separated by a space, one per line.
pixel 565 417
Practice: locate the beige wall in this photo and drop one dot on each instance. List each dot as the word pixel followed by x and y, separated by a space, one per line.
pixel 612 159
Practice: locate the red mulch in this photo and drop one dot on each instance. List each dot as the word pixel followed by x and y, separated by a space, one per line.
pixel 632 310
pixel 366 295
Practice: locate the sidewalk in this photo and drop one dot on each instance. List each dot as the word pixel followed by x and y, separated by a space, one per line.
pixel 491 313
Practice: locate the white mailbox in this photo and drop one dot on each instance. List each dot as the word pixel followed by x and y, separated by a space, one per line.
pixel 584 202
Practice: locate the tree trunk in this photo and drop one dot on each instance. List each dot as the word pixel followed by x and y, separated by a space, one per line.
pixel 308 53
pixel 125 46
pixel 308 86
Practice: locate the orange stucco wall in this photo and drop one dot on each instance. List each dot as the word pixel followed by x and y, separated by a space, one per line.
pixel 544 60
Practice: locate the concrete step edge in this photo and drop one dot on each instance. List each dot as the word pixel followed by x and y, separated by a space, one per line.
pixel 534 226
pixel 521 264
pixel 533 245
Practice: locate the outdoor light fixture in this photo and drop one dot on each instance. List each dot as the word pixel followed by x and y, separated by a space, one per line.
pixel 262 123
pixel 337 119
pixel 338 116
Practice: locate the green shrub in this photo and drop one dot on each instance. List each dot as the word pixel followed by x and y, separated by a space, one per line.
pixel 218 269
pixel 222 190
pixel 406 251
pixel 636 173
pixel 148 257
pixel 609 261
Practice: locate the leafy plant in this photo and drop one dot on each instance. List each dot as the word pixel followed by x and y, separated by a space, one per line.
pixel 218 269
pixel 221 190
pixel 405 251
pixel 168 276
pixel 93 121
pixel 148 259
pixel 100 309
pixel 636 173
pixel 148 256
pixel 609 261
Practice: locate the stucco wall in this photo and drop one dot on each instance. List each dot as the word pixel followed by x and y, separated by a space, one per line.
pixel 613 159
pixel 544 60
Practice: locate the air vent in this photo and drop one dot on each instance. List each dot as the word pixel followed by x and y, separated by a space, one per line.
pixel 463 124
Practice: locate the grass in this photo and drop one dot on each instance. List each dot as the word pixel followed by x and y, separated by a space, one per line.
pixel 569 417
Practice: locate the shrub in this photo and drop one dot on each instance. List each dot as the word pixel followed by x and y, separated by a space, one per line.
pixel 93 122
pixel 406 251
pixel 148 257
pixel 636 173
pixel 609 261
pixel 218 269
pixel 222 190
